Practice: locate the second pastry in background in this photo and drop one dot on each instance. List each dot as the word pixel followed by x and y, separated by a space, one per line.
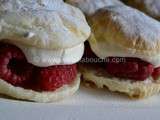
pixel 125 47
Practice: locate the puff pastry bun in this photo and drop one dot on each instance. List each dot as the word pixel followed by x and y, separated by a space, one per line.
pixel 121 31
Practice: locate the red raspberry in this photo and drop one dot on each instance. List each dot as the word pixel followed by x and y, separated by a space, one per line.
pixel 13 65
pixel 142 74
pixel 156 73
pixel 51 78
pixel 122 68
pixel 132 68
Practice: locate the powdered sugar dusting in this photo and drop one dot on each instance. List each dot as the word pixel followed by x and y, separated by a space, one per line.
pixel 136 25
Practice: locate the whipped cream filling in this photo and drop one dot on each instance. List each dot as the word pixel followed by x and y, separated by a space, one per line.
pixel 103 50
pixel 45 58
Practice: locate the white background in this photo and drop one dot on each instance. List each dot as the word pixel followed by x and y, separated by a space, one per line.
pixel 87 104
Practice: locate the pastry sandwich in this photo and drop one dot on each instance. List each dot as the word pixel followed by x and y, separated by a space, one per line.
pixel 128 43
pixel 40 43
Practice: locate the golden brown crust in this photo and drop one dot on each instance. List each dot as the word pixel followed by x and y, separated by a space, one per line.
pixel 127 28
pixel 136 90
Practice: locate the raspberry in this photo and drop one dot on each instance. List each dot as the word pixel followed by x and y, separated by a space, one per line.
pixel 15 70
pixel 13 65
pixel 132 68
pixel 142 74
pixel 129 67
pixel 51 78
pixel 156 73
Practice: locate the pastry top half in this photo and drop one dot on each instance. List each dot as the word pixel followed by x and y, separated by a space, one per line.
pixel 42 23
pixel 125 32
pixel 126 27
pixel 151 7
pixel 49 32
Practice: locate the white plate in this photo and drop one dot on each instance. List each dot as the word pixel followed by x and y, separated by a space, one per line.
pixel 87 104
